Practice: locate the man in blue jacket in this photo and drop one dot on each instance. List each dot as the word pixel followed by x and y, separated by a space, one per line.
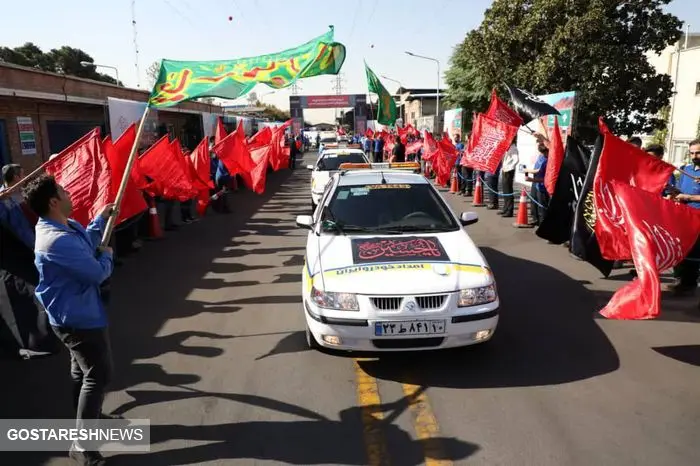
pixel 71 267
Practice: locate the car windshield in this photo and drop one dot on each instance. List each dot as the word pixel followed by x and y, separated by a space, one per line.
pixel 332 161
pixel 328 140
pixel 387 209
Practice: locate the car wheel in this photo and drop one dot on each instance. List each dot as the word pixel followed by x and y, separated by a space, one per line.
pixel 311 340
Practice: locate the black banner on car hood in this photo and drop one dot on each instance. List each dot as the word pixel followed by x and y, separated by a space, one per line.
pixel 405 248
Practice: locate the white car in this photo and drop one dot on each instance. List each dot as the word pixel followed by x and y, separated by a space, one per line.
pixel 328 163
pixel 389 267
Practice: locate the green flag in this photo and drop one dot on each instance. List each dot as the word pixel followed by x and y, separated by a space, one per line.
pixel 386 112
pixel 180 81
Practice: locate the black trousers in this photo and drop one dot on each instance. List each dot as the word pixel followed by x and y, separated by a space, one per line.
pixel 377 157
pixel 492 183
pixel 508 200
pixel 466 182
pixel 292 160
pixel 186 210
pixel 542 198
pixel 688 271
pixel 91 370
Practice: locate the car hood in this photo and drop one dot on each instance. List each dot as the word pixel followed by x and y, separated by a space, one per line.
pixel 319 179
pixel 384 265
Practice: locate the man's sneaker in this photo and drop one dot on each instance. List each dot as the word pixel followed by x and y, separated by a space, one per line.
pixel 86 458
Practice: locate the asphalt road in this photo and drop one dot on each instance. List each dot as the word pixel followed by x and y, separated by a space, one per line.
pixel 208 341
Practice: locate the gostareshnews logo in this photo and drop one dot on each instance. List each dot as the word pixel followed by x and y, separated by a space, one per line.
pixel 106 435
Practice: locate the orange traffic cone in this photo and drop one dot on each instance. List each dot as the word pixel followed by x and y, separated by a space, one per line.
pixel 454 186
pixel 478 194
pixel 154 229
pixel 521 220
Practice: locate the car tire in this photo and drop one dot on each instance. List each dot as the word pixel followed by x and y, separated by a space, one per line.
pixel 311 340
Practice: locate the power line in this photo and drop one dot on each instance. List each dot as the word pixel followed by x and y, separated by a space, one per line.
pixel 136 45
pixel 178 12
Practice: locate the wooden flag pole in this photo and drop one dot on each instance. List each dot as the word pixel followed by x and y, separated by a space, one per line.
pixel 111 223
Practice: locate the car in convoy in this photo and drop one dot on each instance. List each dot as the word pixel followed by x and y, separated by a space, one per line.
pixel 389 267
pixel 325 138
pixel 328 163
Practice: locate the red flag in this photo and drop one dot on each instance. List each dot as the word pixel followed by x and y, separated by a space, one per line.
pixel 255 178
pixel 161 163
pixel 83 170
pixel 429 147
pixel 369 133
pixel 414 147
pixel 233 152
pixel 500 111
pixel 626 163
pixel 117 155
pixel 199 162
pixel 278 159
pixel 220 131
pixel 554 159
pixel 660 234
pixel 444 162
pixel 259 139
pixel 488 143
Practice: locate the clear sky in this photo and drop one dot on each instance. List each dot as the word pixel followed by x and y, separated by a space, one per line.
pixel 201 30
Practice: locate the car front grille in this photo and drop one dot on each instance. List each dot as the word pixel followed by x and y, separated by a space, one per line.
pixel 393 303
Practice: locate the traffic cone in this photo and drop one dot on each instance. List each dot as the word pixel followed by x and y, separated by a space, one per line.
pixel 454 186
pixel 154 229
pixel 521 220
pixel 478 194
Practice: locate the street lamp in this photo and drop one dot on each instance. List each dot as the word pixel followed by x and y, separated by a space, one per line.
pixel 393 80
pixel 87 64
pixel 437 102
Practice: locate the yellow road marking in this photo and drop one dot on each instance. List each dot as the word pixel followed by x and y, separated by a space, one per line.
pixel 372 417
pixel 425 425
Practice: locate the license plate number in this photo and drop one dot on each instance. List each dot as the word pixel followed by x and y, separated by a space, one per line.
pixel 409 327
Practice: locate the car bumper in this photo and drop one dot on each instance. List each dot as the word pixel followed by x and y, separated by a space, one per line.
pixel 357 334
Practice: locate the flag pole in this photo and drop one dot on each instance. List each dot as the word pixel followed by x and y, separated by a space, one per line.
pixel 125 180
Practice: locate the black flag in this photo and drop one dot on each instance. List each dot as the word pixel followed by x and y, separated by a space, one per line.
pixel 529 106
pixel 584 243
pixel 556 226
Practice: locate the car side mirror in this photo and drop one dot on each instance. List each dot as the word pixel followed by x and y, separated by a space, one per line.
pixel 468 218
pixel 309 167
pixel 305 221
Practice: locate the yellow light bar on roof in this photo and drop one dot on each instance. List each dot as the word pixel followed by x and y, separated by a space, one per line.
pixel 355 166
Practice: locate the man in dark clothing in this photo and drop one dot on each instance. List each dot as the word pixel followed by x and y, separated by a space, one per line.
pixel 293 151
pixel 398 153
pixel 72 265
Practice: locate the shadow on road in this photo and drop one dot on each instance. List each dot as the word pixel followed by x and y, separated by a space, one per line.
pixel 314 440
pixel 688 354
pixel 546 335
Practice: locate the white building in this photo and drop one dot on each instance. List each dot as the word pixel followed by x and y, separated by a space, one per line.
pixel 682 62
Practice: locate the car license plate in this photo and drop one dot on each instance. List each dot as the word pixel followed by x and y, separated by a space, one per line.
pixel 409 327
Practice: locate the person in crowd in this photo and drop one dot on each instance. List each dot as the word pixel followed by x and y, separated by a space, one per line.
pixel 398 153
pixel 378 150
pixel 293 152
pixel 367 147
pixel 688 192
pixel 538 192
pixel 510 162
pixel 466 186
pixel 636 141
pixel 186 206
pixel 492 183
pixel 14 213
pixel 72 265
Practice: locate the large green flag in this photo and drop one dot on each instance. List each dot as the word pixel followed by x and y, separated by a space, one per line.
pixel 386 112
pixel 180 81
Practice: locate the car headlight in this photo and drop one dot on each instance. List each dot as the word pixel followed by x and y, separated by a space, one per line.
pixel 476 296
pixel 333 300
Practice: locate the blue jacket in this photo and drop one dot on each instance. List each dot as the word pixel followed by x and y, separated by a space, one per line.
pixel 13 218
pixel 222 174
pixel 70 274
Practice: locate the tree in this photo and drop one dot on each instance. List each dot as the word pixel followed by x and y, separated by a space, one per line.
pixel 596 47
pixel 661 135
pixel 152 73
pixel 65 60
pixel 272 112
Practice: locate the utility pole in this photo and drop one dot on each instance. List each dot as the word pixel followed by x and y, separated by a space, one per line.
pixel 338 88
pixel 295 88
pixel 136 46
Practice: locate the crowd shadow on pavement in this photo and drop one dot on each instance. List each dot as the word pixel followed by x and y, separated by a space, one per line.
pixel 546 335
pixel 151 288
pixel 688 354
pixel 314 440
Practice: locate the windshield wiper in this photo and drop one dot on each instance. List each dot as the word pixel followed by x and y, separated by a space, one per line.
pixel 417 228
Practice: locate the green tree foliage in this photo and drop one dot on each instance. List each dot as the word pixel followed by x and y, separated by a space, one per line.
pixel 596 47
pixel 272 112
pixel 65 60
pixel 661 135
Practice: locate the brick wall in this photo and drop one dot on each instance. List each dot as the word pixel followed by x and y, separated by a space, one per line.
pixel 43 110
